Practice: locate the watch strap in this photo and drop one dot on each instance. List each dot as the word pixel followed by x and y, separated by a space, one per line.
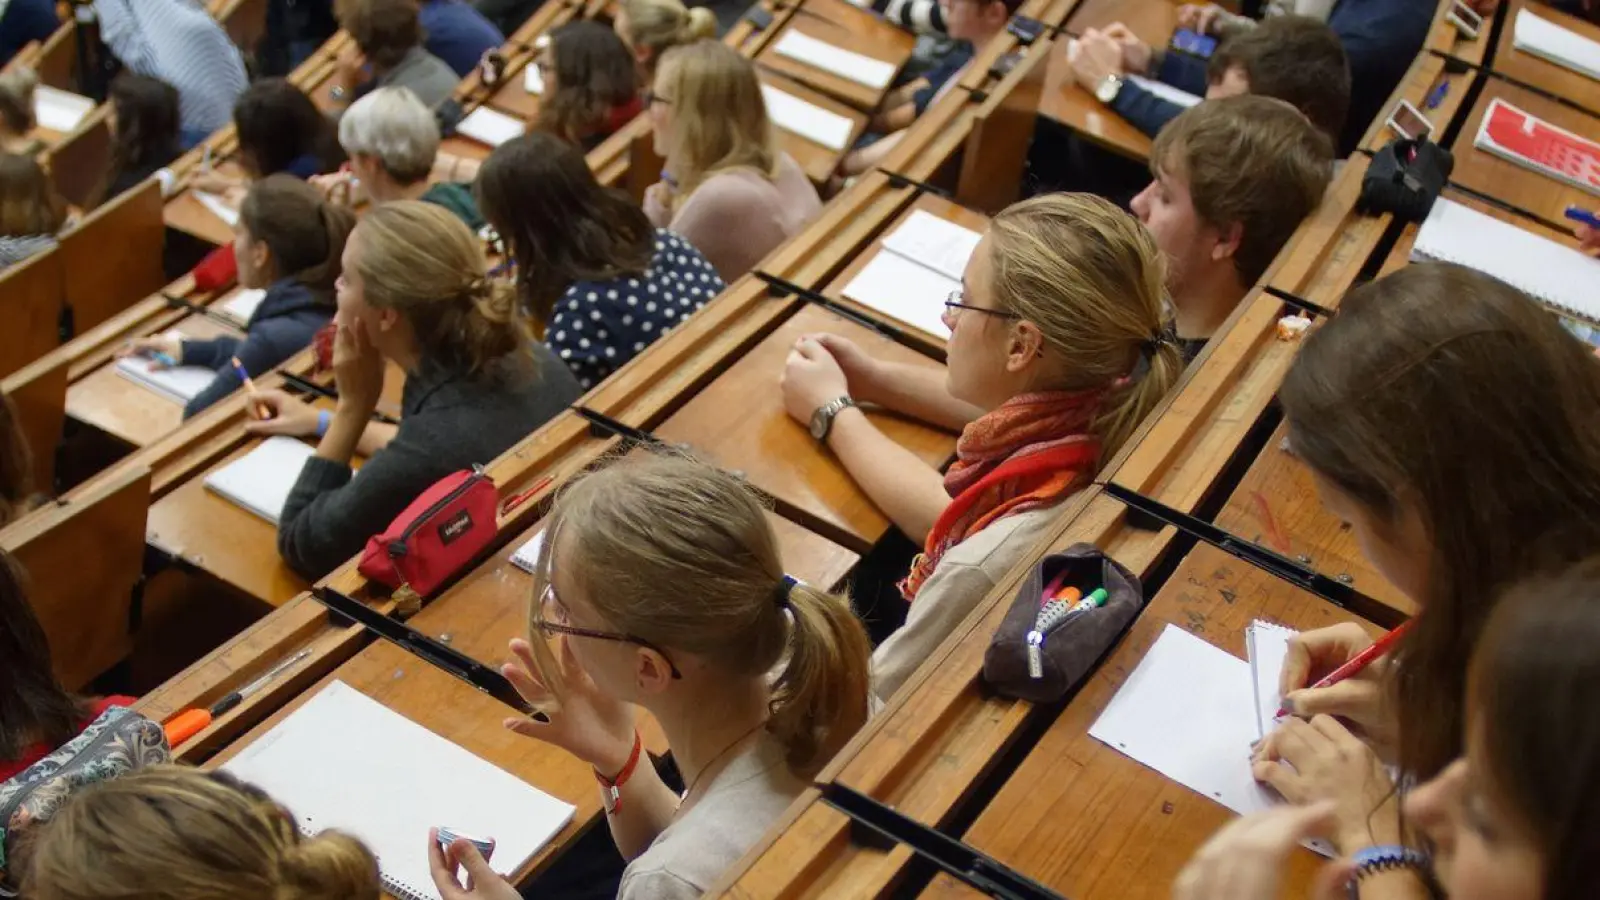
pixel 829 411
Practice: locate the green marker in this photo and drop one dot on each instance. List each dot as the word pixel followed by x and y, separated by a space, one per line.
pixel 1097 598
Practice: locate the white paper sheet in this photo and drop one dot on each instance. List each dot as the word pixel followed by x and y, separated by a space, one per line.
pixel 532 79
pixel 59 110
pixel 218 206
pixel 1267 644
pixel 527 556
pixel 491 127
pixel 1166 91
pixel 179 384
pixel 807 120
pixel 939 244
pixel 239 307
pixel 260 481
pixel 903 290
pixel 862 69
pixel 1562 46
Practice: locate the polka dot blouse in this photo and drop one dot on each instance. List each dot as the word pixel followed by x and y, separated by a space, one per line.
pixel 597 326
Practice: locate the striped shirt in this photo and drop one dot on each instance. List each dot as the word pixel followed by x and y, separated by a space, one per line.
pixel 16 249
pixel 180 43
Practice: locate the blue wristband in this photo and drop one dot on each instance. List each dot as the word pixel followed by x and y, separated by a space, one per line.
pixel 1386 858
pixel 324 419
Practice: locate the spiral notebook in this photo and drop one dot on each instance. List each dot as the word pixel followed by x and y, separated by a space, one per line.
pixel 241 305
pixel 346 761
pixel 260 481
pixel 1554 274
pixel 179 384
pixel 1267 646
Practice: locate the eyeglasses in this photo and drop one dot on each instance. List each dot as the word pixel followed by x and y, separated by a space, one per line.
pixel 953 305
pixel 651 98
pixel 542 623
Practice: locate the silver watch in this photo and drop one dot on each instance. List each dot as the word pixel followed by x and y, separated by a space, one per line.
pixel 822 418
pixel 1108 89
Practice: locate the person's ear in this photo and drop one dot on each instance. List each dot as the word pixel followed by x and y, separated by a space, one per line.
pixel 260 257
pixel 1025 344
pixel 1227 243
pixel 388 319
pixel 654 671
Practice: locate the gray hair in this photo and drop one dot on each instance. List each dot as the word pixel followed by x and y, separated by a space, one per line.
pixel 394 125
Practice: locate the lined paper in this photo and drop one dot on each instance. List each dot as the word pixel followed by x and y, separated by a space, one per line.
pixel 857 67
pixel 806 119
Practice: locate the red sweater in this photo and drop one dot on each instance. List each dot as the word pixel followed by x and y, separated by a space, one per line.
pixel 35 752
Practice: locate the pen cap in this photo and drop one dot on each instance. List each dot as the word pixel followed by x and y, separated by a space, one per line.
pixel 186 725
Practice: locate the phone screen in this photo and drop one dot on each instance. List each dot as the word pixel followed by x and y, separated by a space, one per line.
pixel 1193 43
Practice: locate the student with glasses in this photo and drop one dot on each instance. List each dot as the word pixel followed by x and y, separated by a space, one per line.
pixel 661 588
pixel 1056 354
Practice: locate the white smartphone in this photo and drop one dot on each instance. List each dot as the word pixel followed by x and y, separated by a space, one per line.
pixel 1465 19
pixel 1409 122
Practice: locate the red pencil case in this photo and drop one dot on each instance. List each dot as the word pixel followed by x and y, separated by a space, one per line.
pixel 218 270
pixel 439 533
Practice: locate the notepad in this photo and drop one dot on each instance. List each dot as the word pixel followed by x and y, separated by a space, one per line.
pixel 1267 646
pixel 59 110
pixel 239 307
pixel 260 481
pixel 346 761
pixel 1522 138
pixel 1556 275
pixel 1159 88
pixel 218 206
pixel 1554 43
pixel 490 127
pixel 179 384
pixel 807 120
pixel 532 79
pixel 857 67
pixel 1189 712
pixel 937 243
pixel 918 269
pixel 527 556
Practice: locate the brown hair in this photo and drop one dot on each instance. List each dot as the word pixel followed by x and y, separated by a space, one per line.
pixel 1443 389
pixel 560 224
pixel 1533 689
pixel 147 123
pixel 719 116
pixel 594 75
pixel 34 707
pixel 1296 59
pixel 276 124
pixel 1089 277
pixel 16 465
pixel 29 204
pixel 16 98
pixel 305 233
pixel 660 25
pixel 385 30
pixel 175 833
pixel 1249 161
pixel 654 519
pixel 421 260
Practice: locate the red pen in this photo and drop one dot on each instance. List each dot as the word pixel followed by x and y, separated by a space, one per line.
pixel 1361 660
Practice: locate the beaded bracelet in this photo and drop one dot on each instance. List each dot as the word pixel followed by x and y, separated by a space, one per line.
pixel 1386 858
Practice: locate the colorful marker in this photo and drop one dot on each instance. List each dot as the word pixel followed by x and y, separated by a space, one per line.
pixel 1583 216
pixel 262 412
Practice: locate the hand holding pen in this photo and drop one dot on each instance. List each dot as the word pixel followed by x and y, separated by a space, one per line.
pixel 1587 229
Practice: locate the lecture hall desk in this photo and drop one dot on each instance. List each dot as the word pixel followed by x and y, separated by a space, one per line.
pixel 1532 70
pixel 1508 182
pixel 1064 102
pixel 184 212
pixel 1426 73
pixel 847 27
pixel 1401 255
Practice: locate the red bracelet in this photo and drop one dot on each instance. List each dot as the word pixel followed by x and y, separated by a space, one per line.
pixel 611 788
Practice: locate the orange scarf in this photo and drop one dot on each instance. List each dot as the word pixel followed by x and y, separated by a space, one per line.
pixel 1031 452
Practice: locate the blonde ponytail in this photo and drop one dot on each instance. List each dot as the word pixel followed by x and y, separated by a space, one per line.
pixel 17 87
pixel 331 866
pixel 700 24
pixel 660 25
pixel 820 699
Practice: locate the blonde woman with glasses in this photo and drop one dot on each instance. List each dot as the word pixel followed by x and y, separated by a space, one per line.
pixel 726 188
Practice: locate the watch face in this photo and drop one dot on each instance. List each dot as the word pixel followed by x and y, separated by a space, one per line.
pixel 819 423
pixel 1107 90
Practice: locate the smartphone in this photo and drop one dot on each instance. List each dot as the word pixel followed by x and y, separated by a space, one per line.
pixel 1003 66
pixel 1193 43
pixel 448 836
pixel 759 19
pixel 1025 29
pixel 1409 122
pixel 1465 19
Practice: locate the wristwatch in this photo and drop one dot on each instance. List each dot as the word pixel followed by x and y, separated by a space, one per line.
pixel 1108 89
pixel 822 419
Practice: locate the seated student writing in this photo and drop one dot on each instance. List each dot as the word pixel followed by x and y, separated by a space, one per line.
pixel 287 242
pixel 1429 379
pixel 1232 181
pixel 1290 58
pixel 414 291
pixel 727 187
pixel 31 212
pixel 598 281
pixel 16 112
pixel 386 50
pixel 590 86
pixel 279 130
pixel 37 715
pixel 1056 354
pixel 1517 815
pixel 393 141
pixel 176 833
pixel 976 22
pixel 144 130
pixel 650 28
pixel 755 678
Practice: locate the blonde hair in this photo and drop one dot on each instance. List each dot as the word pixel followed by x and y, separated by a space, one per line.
pixel 678 553
pixel 176 833
pixel 16 98
pixel 660 25
pixel 1090 278
pixel 719 117
pixel 420 259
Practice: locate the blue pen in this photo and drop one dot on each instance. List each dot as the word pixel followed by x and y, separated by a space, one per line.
pixel 164 359
pixel 1583 216
pixel 1436 96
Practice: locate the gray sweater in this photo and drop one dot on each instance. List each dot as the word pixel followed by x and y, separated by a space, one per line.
pixel 449 422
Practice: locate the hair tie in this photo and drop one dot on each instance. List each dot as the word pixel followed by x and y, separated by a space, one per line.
pixel 786 586
pixel 1150 346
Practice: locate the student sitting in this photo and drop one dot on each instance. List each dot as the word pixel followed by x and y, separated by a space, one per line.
pixel 1517 816
pixel 413 291
pixel 1291 58
pixel 24 21
pixel 16 112
pixel 393 140
pixel 279 130
pixel 31 212
pixel 457 33
pixel 1233 180
pixel 589 84
pixel 757 679
pixel 177 833
pixel 37 714
pixel 387 51
pixel 287 242
pixel 180 43
pixel 1429 379
pixel 650 28
pixel 294 31
pixel 727 188
pixel 598 281
pixel 1056 354
pixel 144 130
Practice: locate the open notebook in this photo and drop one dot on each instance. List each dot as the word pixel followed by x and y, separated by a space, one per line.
pixel 1557 44
pixel 857 67
pixel 218 206
pixel 808 120
pixel 1191 711
pixel 179 384
pixel 919 267
pixel 59 110
pixel 532 79
pixel 1556 275
pixel 491 127
pixel 260 481
pixel 346 761
pixel 527 556
pixel 241 305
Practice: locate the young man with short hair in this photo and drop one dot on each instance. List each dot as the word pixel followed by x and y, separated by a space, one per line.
pixel 1232 180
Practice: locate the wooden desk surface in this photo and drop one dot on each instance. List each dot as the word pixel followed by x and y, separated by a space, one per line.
pixel 1426 74
pixel 1540 73
pixel 126 409
pixel 817 160
pixel 1153 21
pixel 1065 102
pixel 1444 38
pixel 1092 823
pixel 847 27
pixel 512 96
pixel 186 214
pixel 776 453
pixel 1506 181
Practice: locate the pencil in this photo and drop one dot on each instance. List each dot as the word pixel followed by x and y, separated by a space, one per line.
pixel 262 412
pixel 1361 660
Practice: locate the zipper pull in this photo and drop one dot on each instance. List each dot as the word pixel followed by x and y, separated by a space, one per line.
pixel 1035 655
